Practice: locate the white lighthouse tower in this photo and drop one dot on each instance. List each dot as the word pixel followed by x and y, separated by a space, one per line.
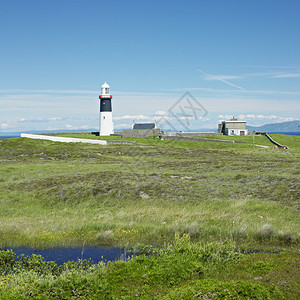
pixel 106 122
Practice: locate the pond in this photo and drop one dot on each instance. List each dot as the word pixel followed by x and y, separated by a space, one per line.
pixel 62 255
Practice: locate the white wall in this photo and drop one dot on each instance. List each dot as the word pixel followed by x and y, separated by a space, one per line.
pixel 62 139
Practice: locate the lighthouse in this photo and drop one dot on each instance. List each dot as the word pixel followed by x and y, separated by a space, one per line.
pixel 106 122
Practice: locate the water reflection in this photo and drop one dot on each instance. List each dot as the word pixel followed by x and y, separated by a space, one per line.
pixel 62 255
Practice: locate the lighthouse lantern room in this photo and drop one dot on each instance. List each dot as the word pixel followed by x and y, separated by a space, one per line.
pixel 106 122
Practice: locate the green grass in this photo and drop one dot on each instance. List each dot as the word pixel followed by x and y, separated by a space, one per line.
pixel 58 194
pixel 179 270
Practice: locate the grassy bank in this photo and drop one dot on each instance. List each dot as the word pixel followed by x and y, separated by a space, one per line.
pixel 180 270
pixel 64 194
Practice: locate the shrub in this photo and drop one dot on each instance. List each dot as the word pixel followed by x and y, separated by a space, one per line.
pixel 7 260
pixel 214 289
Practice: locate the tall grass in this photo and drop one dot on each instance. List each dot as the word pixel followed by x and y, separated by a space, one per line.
pixel 64 194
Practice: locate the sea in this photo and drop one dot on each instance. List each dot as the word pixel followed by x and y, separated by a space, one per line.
pixel 9 136
pixel 287 133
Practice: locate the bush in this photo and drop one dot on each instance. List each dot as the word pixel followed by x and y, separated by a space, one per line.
pixel 214 289
pixel 7 260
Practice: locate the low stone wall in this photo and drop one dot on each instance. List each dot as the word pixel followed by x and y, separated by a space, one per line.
pixel 194 139
pixel 140 132
pixel 189 134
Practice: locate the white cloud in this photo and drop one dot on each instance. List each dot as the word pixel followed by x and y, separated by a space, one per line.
pixel 203 119
pixel 226 117
pixel 165 118
pixel 259 117
pixel 133 117
pixel 69 126
pixel 54 119
pixel 287 119
pixel 4 126
pixel 122 125
pixel 37 120
pixel 52 128
pixel 160 113
pixel 48 91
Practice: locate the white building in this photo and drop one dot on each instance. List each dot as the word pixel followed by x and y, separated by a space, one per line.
pixel 233 127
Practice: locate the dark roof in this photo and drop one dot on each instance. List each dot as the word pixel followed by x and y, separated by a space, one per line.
pixel 143 126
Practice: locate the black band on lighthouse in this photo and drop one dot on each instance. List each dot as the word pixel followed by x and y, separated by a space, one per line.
pixel 105 105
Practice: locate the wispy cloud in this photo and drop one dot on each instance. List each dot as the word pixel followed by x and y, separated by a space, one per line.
pixel 69 127
pixel 47 91
pixel 238 92
pixel 75 92
pixel 271 67
pixel 40 120
pixel 122 125
pixel 259 117
pixel 163 115
pixel 160 113
pixel 222 78
pixel 289 75
pixel 133 117
pixel 5 126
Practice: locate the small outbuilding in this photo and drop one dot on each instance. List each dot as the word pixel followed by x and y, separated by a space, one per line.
pixel 233 127
pixel 143 126
pixel 142 130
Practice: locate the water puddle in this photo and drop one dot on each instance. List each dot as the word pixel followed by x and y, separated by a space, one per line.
pixel 62 255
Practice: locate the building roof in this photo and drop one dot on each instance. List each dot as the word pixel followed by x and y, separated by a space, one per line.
pixel 144 126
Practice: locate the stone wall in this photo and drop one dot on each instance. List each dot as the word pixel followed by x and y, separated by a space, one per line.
pixel 189 134
pixel 194 139
pixel 141 132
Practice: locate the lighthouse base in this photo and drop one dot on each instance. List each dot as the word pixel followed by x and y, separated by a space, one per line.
pixel 106 124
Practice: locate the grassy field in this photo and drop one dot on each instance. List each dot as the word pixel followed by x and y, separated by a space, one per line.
pixel 59 194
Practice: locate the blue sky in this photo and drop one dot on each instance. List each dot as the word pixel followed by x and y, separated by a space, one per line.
pixel 236 58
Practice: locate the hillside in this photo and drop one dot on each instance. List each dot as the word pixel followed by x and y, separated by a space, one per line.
pixel 292 126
